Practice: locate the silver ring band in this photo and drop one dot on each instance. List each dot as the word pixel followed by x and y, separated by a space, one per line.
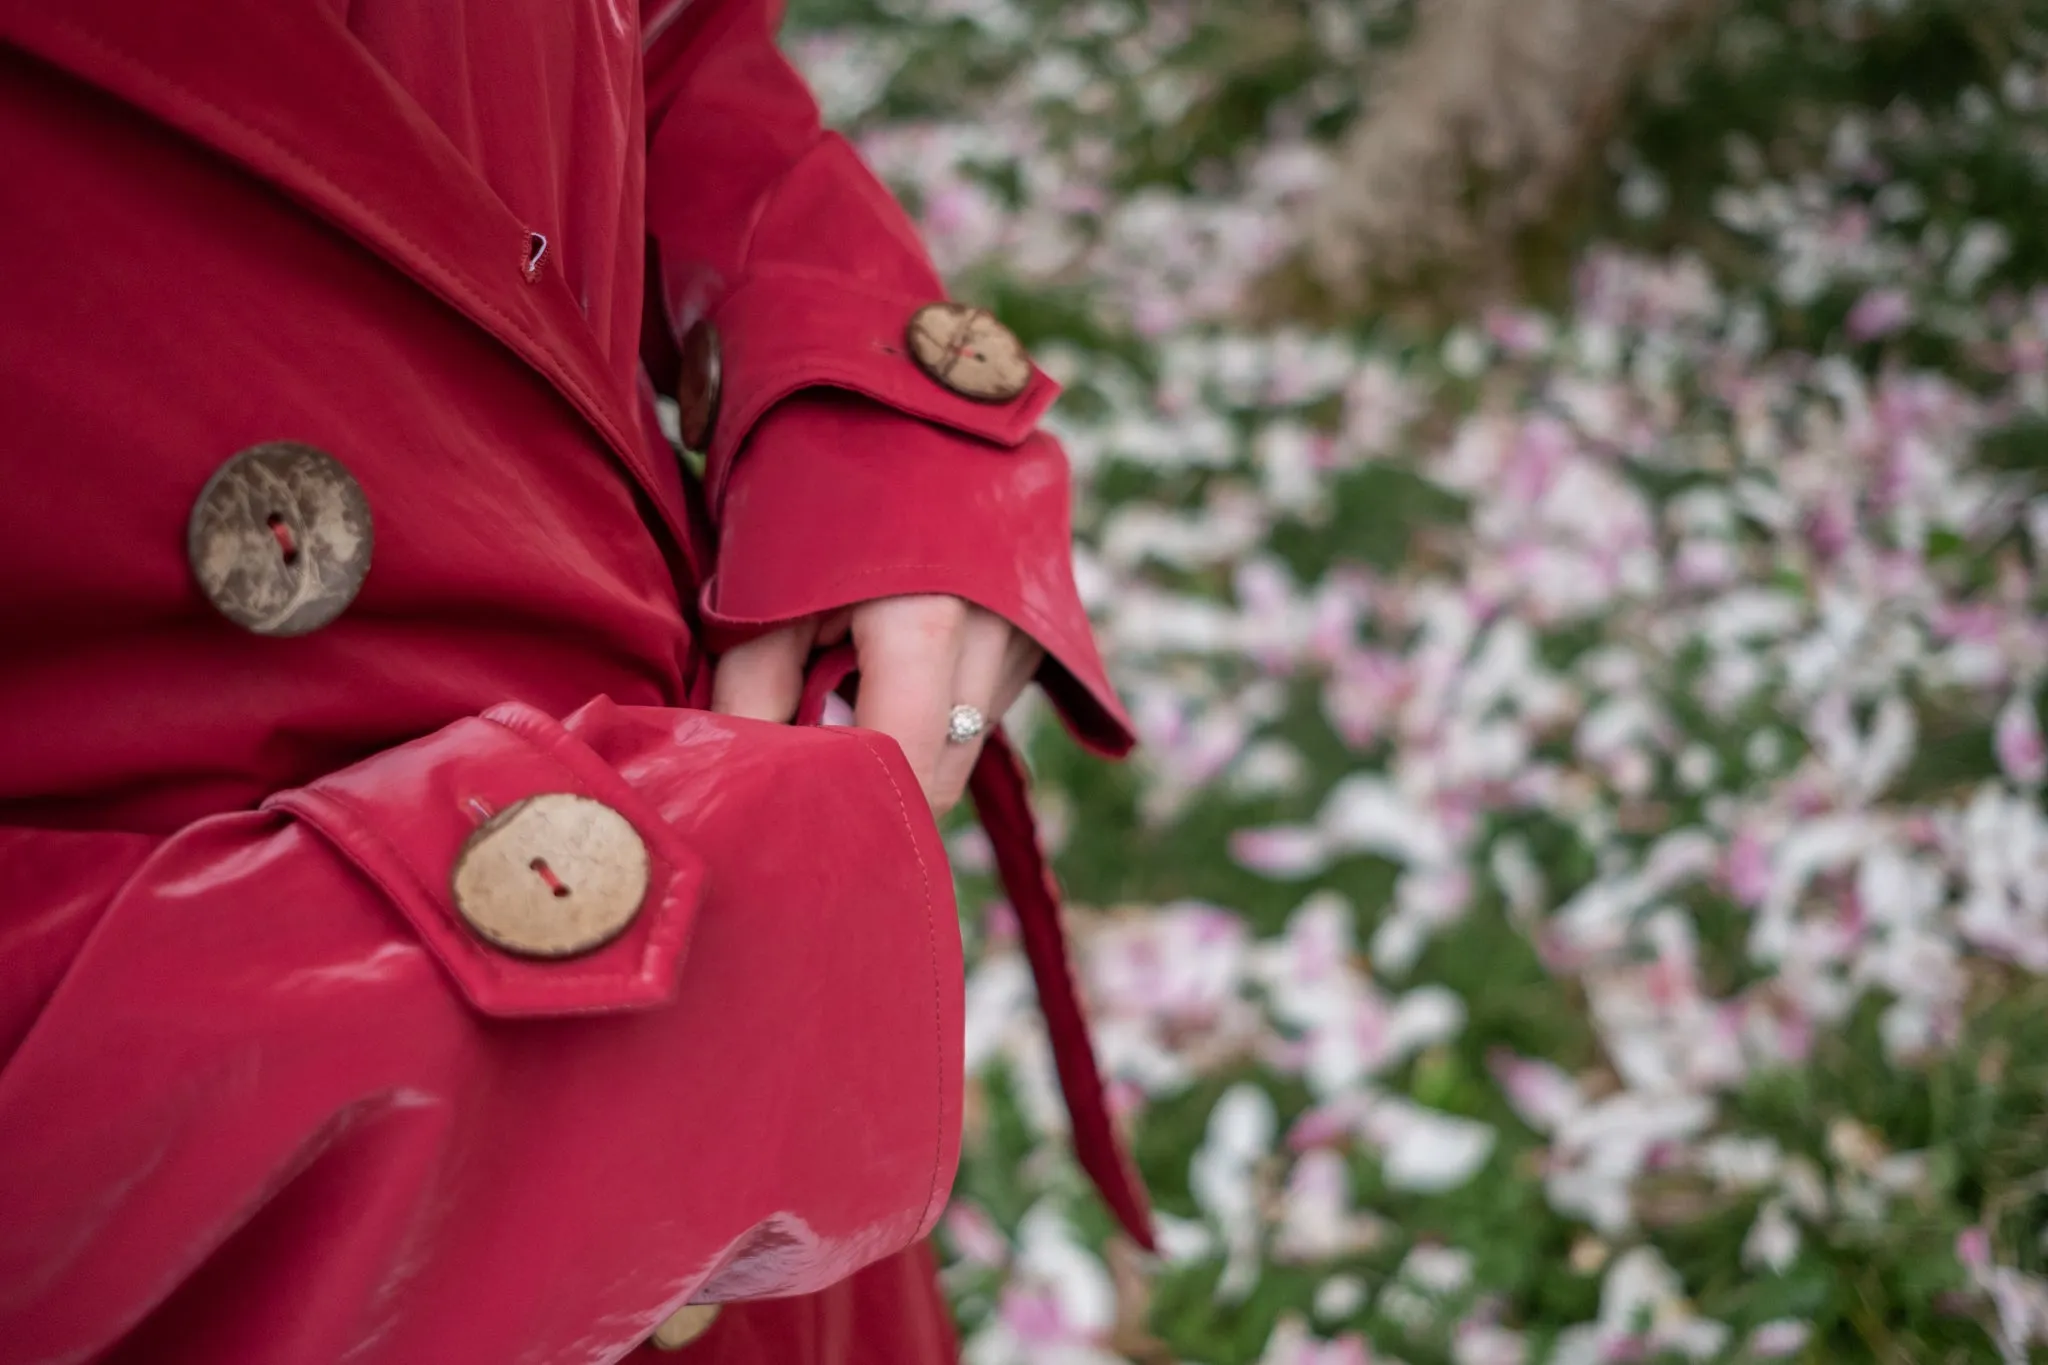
pixel 964 724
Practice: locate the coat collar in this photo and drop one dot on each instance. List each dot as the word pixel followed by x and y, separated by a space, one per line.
pixel 282 88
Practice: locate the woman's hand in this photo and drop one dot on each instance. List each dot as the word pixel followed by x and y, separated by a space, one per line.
pixel 919 657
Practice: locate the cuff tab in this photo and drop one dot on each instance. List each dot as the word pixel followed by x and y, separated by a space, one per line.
pixel 791 329
pixel 413 820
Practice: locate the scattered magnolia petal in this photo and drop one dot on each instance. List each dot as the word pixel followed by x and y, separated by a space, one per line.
pixel 1425 1150
pixel 2017 738
pixel 1780 1338
pixel 1181 1239
pixel 969 849
pixel 1317 1221
pixel 974 1235
pixel 1340 1297
pixel 1773 1241
pixel 1439 1269
pixel 1739 1162
pixel 1973 1248
pixel 1364 815
pixel 1268 768
pixel 1425 1285
pixel 1541 1093
pixel 1641 1287
pixel 1049 1253
pixel 1485 1343
pixel 1293 1344
pixel 1425 1017
pixel 1222 1177
pixel 1879 313
pixel 1281 851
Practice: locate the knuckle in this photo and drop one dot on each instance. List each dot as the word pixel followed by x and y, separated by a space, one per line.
pixel 940 614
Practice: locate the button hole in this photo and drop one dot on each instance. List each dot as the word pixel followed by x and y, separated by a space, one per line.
pixel 287 544
pixel 547 875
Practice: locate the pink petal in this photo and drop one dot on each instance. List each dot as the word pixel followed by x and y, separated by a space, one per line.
pixel 1879 313
pixel 1973 1248
pixel 2017 740
pixel 1747 870
pixel 1279 850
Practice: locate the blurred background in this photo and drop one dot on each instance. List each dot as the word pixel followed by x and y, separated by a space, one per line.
pixel 1563 486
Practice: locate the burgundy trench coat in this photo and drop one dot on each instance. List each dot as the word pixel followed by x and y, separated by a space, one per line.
pixel 280 1079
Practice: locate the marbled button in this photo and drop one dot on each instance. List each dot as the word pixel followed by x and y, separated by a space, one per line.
pixel 684 1326
pixel 553 876
pixel 969 352
pixel 280 538
pixel 697 386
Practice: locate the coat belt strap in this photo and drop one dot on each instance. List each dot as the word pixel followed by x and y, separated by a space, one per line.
pixel 1002 801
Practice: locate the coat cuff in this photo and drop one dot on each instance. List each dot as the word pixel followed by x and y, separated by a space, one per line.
pixel 790 329
pixel 841 500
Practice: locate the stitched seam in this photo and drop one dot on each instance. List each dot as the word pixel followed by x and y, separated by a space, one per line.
pixel 998 424
pixel 938 1009
pixel 800 272
pixel 772 386
pixel 592 410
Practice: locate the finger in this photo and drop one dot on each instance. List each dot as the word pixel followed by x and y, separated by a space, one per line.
pixel 907 648
pixel 978 681
pixel 763 678
pixel 1020 666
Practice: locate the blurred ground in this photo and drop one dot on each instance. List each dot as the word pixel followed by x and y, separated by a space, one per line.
pixel 1584 896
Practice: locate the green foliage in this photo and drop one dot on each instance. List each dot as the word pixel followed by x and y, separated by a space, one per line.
pixel 1762 95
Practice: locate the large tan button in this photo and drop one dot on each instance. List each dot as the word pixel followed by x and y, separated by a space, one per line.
pixel 684 1326
pixel 698 382
pixel 280 538
pixel 969 352
pixel 554 876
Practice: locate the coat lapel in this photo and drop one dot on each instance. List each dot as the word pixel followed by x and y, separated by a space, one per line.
pixel 281 87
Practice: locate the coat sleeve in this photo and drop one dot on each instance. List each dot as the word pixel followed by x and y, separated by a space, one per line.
pixel 837 470
pixel 270 1099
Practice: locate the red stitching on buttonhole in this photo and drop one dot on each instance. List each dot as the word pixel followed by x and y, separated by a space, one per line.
pixel 536 252
pixel 547 875
pixel 286 545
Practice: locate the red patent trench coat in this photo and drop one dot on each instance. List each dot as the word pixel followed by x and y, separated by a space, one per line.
pixel 280 1081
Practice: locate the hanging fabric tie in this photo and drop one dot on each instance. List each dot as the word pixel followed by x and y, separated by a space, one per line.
pixel 1002 802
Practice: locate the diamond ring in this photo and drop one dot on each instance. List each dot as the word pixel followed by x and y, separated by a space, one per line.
pixel 964 724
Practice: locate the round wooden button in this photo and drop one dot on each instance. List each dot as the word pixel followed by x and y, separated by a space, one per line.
pixel 553 876
pixel 684 1326
pixel 969 352
pixel 697 386
pixel 280 538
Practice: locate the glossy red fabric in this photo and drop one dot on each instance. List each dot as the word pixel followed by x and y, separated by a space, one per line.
pixel 255 1123
pixel 262 1098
